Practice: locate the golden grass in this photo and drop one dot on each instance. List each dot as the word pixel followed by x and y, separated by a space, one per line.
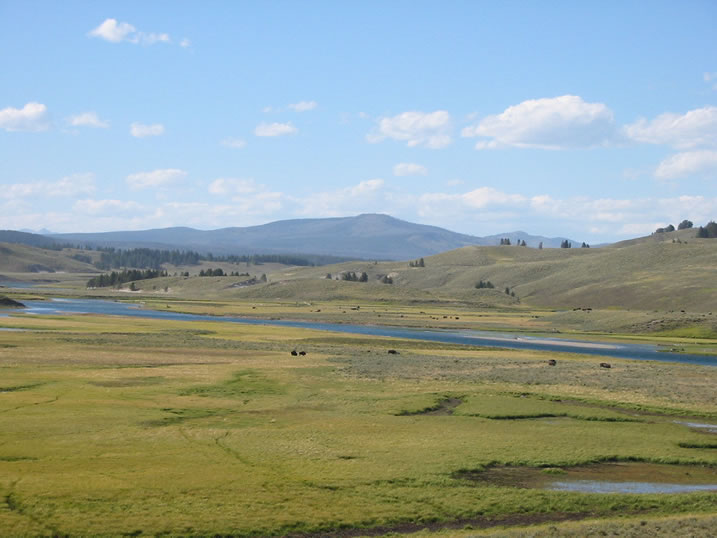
pixel 112 426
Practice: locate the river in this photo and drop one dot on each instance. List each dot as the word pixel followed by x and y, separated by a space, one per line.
pixel 464 337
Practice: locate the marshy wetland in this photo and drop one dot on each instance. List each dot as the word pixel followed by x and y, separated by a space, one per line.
pixel 127 425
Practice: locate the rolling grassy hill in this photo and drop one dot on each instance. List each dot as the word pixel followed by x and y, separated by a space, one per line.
pixel 17 258
pixel 645 275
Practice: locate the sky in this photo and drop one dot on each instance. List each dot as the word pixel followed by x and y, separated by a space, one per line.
pixel 592 120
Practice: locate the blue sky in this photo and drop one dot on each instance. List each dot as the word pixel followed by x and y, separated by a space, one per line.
pixel 592 120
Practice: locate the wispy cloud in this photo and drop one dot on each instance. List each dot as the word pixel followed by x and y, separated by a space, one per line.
pixel 689 163
pixel 605 216
pixel 67 186
pixel 106 207
pixel 695 128
pixel 117 32
pixel 565 122
pixel 237 143
pixel 140 130
pixel 711 78
pixel 417 129
pixel 365 196
pixel 32 117
pixel 303 106
pixel 249 196
pixel 275 129
pixel 234 186
pixel 154 179
pixel 409 169
pixel 87 119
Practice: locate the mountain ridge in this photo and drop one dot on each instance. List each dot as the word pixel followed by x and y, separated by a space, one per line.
pixel 367 236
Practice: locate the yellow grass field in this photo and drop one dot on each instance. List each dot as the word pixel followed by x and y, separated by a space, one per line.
pixel 118 426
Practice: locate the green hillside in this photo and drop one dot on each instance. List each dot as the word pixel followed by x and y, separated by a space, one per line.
pixel 649 275
pixel 645 276
pixel 17 258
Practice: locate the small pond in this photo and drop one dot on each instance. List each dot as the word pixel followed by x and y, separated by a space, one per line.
pixel 623 477
pixel 706 428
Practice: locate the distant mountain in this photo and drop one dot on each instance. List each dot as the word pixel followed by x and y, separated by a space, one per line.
pixel 369 236
pixel 26 238
pixel 530 240
pixel 41 231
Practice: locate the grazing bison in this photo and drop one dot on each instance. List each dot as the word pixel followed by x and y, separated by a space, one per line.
pixel 294 353
pixel 302 353
pixel 393 352
pixel 552 362
pixel 605 365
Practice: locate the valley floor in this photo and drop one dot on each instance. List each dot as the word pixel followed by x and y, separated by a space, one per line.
pixel 119 426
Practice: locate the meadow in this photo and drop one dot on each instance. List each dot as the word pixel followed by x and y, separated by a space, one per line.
pixel 124 427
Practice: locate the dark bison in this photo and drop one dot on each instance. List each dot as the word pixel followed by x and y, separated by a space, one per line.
pixel 552 362
pixel 393 352
pixel 294 353
pixel 605 365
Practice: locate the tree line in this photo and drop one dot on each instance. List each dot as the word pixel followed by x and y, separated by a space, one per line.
pixel 116 278
pixel 708 231
pixel 147 258
pixel 309 260
pixel 350 276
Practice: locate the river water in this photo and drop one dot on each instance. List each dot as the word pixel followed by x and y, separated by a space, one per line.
pixel 464 337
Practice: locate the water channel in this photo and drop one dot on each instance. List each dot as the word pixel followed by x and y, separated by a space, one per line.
pixel 464 337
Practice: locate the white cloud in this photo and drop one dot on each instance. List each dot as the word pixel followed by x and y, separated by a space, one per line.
pixel 184 43
pixel 116 32
pixel 248 196
pixel 154 179
pixel 430 130
pixel 151 39
pixel 688 163
pixel 275 129
pixel 696 128
pixel 67 186
pixel 446 204
pixel 87 119
pixel 32 117
pixel 140 130
pixel 237 143
pixel 113 32
pixel 590 210
pixel 233 186
pixel 370 185
pixel 608 217
pixel 487 196
pixel 106 207
pixel 360 198
pixel 409 169
pixel 303 106
pixel 565 122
